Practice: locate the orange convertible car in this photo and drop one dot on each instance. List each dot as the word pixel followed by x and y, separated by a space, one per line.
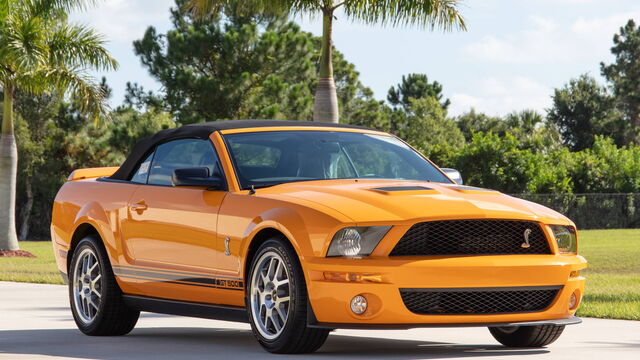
pixel 300 228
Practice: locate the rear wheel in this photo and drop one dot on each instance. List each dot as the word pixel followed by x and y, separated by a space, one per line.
pixel 527 336
pixel 276 298
pixel 96 300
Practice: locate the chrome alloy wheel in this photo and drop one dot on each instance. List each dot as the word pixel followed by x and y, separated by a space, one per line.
pixel 270 295
pixel 87 289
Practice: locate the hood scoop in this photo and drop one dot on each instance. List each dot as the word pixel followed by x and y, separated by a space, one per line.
pixel 405 190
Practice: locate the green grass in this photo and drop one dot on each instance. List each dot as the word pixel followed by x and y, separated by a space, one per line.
pixel 41 270
pixel 613 276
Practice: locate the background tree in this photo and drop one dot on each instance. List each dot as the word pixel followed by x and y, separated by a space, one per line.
pixel 40 52
pixel 368 112
pixel 472 122
pixel 606 168
pixel 582 109
pixel 426 13
pixel 533 131
pixel 55 138
pixel 33 114
pixel 236 66
pixel 416 86
pixel 525 120
pixel 498 162
pixel 424 122
pixel 624 76
pixel 136 97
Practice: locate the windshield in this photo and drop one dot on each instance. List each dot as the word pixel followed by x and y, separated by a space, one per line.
pixel 273 157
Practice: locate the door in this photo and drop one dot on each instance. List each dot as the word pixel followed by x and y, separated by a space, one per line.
pixel 172 230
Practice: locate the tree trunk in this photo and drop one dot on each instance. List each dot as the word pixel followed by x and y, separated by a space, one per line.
pixel 8 172
pixel 26 211
pixel 325 108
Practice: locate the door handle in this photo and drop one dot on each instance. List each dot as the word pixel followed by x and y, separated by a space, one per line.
pixel 139 206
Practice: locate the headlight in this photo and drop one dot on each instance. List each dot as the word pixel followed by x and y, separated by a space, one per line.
pixel 356 241
pixel 566 238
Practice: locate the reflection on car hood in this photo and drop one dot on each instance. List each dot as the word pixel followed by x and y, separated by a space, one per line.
pixel 400 201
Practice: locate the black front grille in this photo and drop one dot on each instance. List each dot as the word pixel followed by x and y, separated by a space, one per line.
pixel 472 237
pixel 461 301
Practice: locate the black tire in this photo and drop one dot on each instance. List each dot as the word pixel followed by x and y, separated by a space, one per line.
pixel 295 336
pixel 527 336
pixel 111 316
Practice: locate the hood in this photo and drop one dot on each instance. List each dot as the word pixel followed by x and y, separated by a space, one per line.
pixel 366 201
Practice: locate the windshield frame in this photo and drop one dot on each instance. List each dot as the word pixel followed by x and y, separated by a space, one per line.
pixel 234 165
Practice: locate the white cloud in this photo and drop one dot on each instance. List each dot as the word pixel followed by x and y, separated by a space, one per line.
pixel 461 103
pixel 539 44
pixel 500 96
pixel 549 41
pixel 570 2
pixel 124 20
pixel 602 27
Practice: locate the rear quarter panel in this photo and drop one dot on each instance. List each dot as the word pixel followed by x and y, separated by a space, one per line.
pixel 102 205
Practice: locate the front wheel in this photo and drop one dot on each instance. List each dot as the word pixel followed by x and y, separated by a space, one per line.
pixel 527 336
pixel 276 298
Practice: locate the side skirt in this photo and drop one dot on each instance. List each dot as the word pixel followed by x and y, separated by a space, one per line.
pixel 183 308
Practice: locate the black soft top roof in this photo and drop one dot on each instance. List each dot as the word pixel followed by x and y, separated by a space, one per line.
pixel 202 131
pixel 246 124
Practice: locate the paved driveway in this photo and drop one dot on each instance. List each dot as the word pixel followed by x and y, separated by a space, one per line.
pixel 35 323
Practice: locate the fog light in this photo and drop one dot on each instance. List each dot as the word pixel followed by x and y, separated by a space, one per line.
pixel 573 300
pixel 359 304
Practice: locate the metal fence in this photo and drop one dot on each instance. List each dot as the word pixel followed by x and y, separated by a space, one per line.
pixel 593 211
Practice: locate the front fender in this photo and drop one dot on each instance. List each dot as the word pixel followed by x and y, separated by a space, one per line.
pixel 242 217
pixel 286 221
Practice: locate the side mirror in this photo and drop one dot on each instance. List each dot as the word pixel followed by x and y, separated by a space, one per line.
pixel 195 177
pixel 454 175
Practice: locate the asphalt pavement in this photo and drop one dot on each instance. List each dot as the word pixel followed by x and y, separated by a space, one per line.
pixel 36 323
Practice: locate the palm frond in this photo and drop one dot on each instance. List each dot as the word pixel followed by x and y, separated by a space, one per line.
pixel 443 14
pixel 40 52
pixel 306 6
pixel 206 9
pixel 22 44
pixel 75 45
pixel 73 81
pixel 4 10
pixel 47 8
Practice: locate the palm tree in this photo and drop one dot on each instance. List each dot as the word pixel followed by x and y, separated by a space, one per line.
pixel 425 13
pixel 40 52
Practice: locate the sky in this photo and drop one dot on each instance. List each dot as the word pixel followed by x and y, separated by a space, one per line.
pixel 512 56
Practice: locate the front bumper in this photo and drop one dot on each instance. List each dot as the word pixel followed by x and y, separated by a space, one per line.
pixel 330 299
pixel 559 322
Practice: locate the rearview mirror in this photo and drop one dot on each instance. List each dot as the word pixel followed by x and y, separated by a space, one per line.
pixel 454 175
pixel 195 177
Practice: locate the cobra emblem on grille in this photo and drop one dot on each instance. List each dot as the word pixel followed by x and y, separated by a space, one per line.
pixel 525 244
